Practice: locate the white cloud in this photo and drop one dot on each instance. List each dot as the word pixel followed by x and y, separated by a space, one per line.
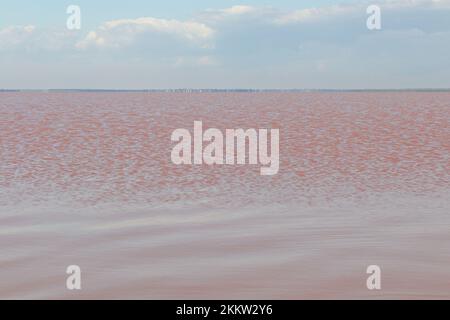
pixel 235 13
pixel 397 4
pixel 15 35
pixel 344 10
pixel 118 33
pixel 31 39
pixel 236 10
pixel 314 14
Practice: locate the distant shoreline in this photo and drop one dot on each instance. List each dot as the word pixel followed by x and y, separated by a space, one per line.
pixel 227 90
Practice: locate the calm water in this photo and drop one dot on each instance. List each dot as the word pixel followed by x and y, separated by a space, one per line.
pixel 86 179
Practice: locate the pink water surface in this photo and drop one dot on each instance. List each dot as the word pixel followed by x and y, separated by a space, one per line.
pixel 86 179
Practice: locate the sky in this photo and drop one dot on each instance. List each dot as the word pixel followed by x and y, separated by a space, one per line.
pixel 265 44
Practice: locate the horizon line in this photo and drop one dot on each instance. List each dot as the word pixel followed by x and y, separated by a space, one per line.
pixel 200 90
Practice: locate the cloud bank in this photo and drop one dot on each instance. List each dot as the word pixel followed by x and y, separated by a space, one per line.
pixel 247 46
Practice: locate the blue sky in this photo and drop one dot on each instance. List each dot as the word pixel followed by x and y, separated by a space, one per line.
pixel 225 44
pixel 48 12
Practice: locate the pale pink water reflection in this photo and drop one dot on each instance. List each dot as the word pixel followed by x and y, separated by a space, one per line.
pixel 86 179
